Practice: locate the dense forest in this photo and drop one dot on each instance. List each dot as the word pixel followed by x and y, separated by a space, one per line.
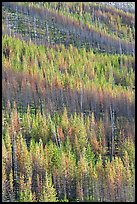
pixel 68 102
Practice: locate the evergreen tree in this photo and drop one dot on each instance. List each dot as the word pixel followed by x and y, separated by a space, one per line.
pixel 48 191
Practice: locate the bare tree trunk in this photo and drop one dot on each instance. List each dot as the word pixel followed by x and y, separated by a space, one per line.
pixel 35 32
pixel 14 168
pixel 120 51
pixel 81 97
pixel 112 132
pixel 9 26
pixel 47 33
pixel 111 76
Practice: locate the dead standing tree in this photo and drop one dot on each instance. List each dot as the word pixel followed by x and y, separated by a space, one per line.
pixel 14 167
pixel 112 131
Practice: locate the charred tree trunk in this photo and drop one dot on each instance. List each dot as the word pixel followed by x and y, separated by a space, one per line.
pixel 120 51
pixel 14 168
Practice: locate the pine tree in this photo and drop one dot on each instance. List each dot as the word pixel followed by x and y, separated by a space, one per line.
pixel 26 194
pixel 48 192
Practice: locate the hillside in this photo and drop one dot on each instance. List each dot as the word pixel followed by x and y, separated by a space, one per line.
pixel 68 99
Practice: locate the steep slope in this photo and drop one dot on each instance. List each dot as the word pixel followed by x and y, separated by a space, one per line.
pixel 68 99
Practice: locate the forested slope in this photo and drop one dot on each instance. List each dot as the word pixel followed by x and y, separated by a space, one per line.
pixel 68 118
